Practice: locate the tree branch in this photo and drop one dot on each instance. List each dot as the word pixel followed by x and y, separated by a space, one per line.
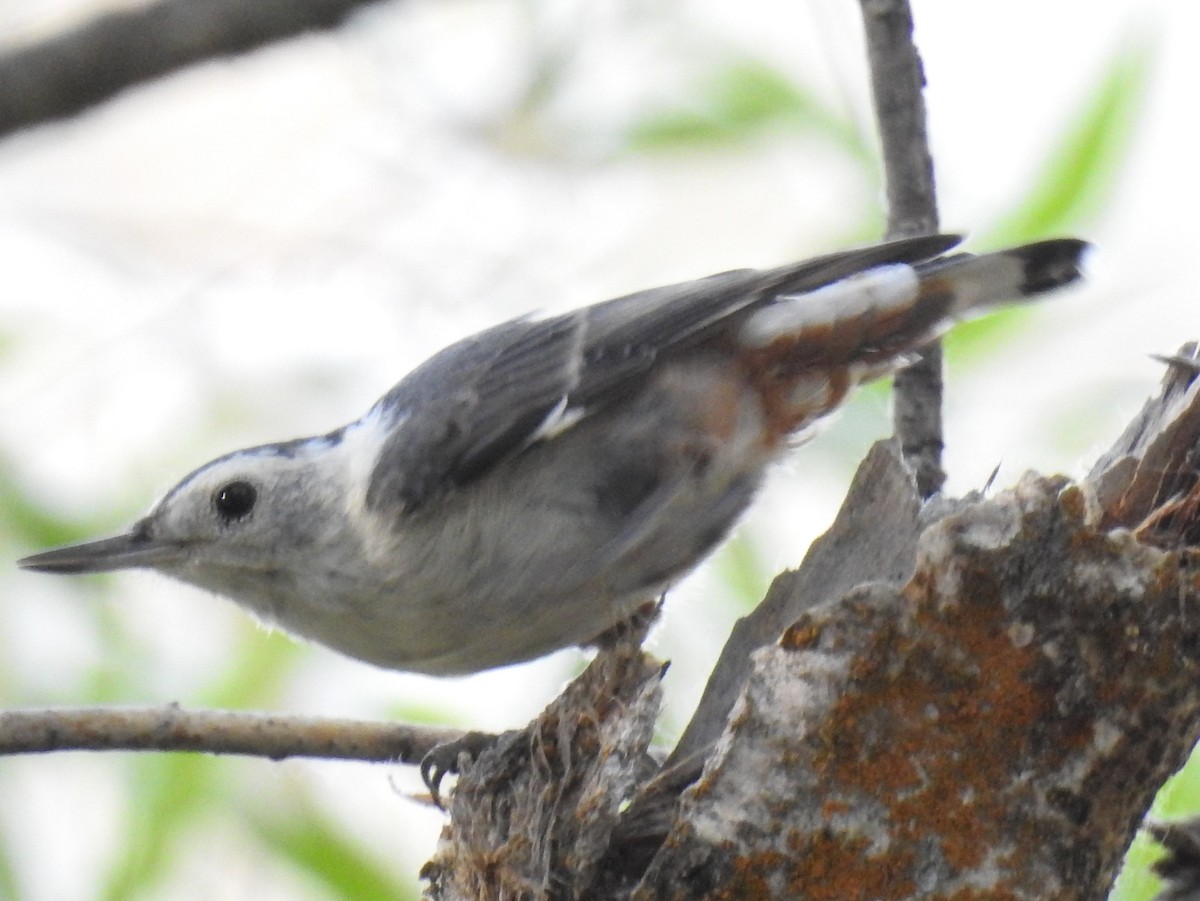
pixel 897 79
pixel 71 72
pixel 172 728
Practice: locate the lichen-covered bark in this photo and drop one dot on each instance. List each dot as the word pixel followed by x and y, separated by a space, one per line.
pixel 992 726
pixel 994 729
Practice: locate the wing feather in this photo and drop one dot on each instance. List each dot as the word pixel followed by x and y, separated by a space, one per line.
pixel 489 396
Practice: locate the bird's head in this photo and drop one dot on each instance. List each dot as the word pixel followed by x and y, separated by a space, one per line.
pixel 252 525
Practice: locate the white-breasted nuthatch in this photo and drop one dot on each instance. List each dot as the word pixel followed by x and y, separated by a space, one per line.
pixel 533 485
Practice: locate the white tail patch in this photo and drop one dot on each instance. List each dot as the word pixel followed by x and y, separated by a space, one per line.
pixel 984 281
pixel 881 288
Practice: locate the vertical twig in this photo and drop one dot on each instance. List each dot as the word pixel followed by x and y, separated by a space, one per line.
pixel 897 78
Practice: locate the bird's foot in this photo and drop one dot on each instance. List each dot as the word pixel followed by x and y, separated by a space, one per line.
pixel 446 758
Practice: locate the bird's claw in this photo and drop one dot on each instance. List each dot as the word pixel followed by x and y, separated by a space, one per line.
pixel 444 759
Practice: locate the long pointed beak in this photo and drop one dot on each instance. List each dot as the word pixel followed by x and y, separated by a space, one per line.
pixel 133 549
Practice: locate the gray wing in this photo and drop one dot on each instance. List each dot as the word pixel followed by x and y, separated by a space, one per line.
pixel 491 395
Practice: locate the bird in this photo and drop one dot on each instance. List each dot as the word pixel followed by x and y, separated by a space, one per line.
pixel 534 485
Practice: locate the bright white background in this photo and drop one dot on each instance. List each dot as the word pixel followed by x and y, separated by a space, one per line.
pixel 256 249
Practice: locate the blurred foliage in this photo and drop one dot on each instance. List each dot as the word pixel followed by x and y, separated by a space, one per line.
pixel 1136 882
pixel 1080 174
pixel 172 796
pixel 310 841
pixel 742 97
pixel 8 876
pixel 25 524
pixel 167 794
pixel 1177 800
pixel 742 572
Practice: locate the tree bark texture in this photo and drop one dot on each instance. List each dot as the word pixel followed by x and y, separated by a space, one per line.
pixel 994 725
pixel 172 728
pixel 897 82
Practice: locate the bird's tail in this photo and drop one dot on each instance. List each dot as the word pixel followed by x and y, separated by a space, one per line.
pixel 807 350
pixel 975 284
pixel 890 309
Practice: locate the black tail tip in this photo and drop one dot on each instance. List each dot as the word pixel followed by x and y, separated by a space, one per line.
pixel 1051 264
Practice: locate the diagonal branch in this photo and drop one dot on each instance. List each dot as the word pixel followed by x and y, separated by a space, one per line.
pixel 71 72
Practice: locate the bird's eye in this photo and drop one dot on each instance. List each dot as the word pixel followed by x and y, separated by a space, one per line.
pixel 234 500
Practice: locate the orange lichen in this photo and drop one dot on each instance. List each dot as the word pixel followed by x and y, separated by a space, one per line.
pixel 831 867
pixel 751 877
pixel 801 636
pixel 908 738
pixel 832 808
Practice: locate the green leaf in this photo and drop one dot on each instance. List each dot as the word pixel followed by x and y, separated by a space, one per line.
pixel 1180 796
pixel 1136 882
pixel 1076 181
pixel 1079 176
pixel 739 100
pixel 1178 799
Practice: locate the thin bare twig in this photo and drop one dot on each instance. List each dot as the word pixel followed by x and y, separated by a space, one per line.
pixel 171 728
pixel 897 78
pixel 68 73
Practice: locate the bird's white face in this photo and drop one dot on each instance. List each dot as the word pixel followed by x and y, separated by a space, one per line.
pixel 245 511
pixel 258 526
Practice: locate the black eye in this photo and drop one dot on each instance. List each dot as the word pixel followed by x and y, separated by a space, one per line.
pixel 235 500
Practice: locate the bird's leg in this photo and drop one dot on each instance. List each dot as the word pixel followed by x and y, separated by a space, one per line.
pixel 632 629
